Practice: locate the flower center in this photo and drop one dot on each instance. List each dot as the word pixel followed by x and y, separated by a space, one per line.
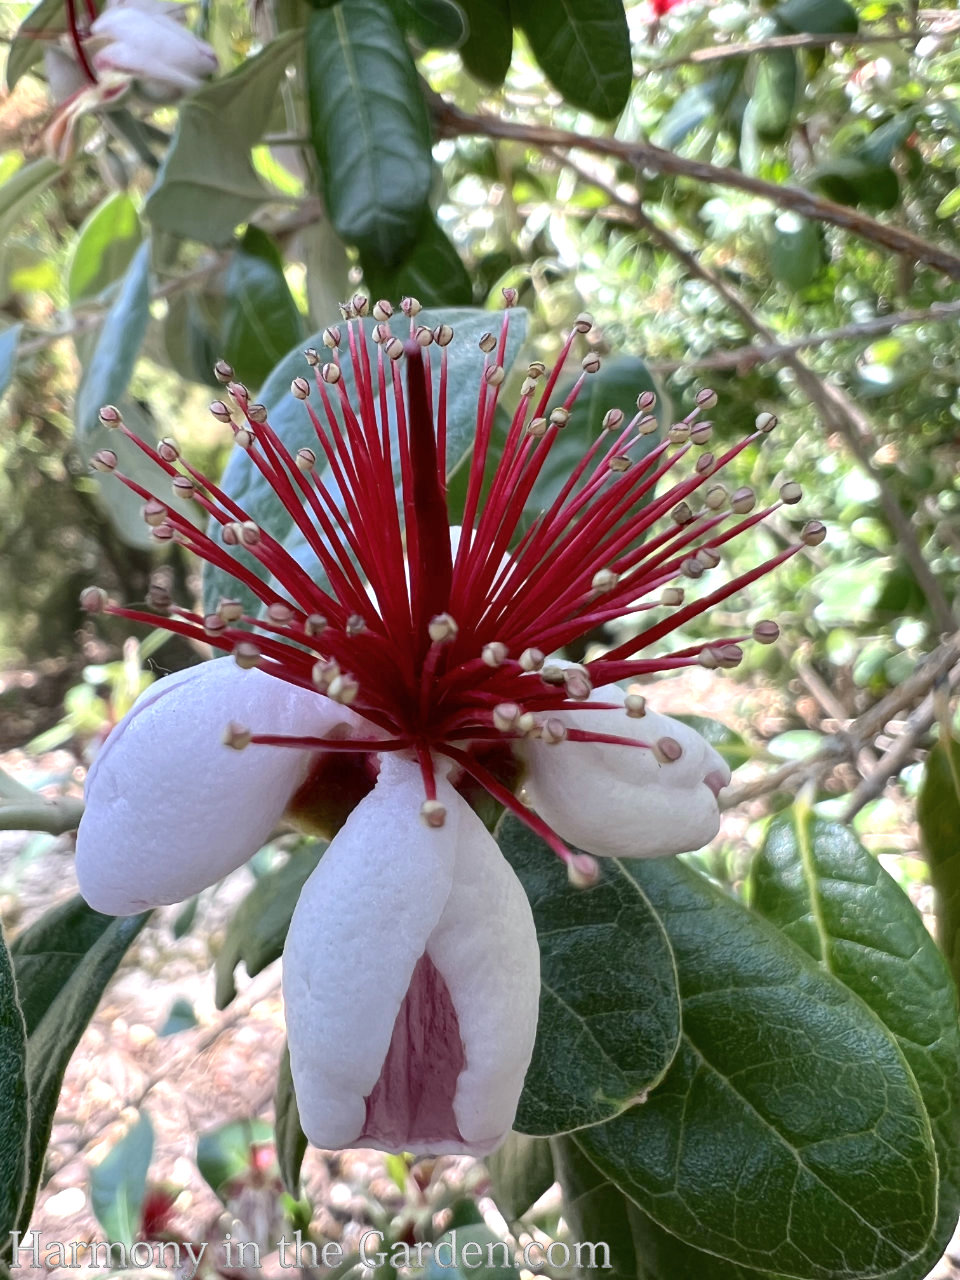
pixel 440 641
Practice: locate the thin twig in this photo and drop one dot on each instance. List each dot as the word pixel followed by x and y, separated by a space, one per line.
pixel 844 746
pixel 806 40
pixel 451 122
pixel 759 353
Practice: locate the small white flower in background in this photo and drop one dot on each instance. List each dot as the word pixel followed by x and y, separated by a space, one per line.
pixel 419 659
pixel 141 45
pixel 147 40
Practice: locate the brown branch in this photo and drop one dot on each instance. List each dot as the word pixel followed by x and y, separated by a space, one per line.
pixel 806 40
pixel 845 746
pixel 451 122
pixel 759 353
pixel 838 412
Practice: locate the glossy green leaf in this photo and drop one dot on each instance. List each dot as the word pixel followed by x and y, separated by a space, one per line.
pixel 584 48
pixel 119 1182
pixel 14 1118
pixel 818 17
pixel 261 321
pixel 938 813
pixel 521 1170
pixel 609 1012
pixel 105 246
pixel 789 1135
pixel 227 1153
pixel 488 48
pixel 599 1215
pixel 432 271
pixel 433 24
pixel 207 183
pixel 9 340
pixel 774 97
pixel 369 127
pixel 818 884
pixel 291 1141
pixel 289 419
pixel 27 48
pixel 63 964
pixel 258 930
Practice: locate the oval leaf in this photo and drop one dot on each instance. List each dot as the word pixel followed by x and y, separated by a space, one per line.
pixel 488 48
pixel 818 884
pixel 609 1010
pixel 938 812
pixel 369 127
pixel 119 1182
pixel 431 271
pixel 106 244
pixel 261 321
pixel 584 48
pixel 13 1099
pixel 789 1135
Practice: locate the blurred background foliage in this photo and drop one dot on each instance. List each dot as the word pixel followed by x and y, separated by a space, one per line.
pixel 757 197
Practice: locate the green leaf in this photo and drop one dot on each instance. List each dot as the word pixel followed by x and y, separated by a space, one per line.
pixel 369 126
pixel 261 321
pixel 487 1257
pixel 583 47
pixel 774 97
pixel 43 20
pixel 596 1210
pixel 227 1153
pixel 14 1118
pixel 207 183
pixel 106 377
pixel 488 48
pixel 180 1018
pixel 431 271
pixel 63 964
pixel 521 1170
pixel 288 417
pixel 18 192
pixel 732 745
pixel 938 813
pixel 433 24
pixel 818 884
pixel 789 1135
pixel 796 251
pixel 291 1141
pixel 191 336
pixel 817 17
pixel 258 930
pixel 105 246
pixel 9 340
pixel 616 386
pixel 851 181
pixel 609 1013
pixel 950 204
pixel 119 1182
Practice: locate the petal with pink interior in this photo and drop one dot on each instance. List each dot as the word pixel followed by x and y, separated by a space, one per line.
pixel 170 809
pixel 356 939
pixel 620 801
pixel 485 948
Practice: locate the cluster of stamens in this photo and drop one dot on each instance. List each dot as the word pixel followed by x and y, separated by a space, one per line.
pixel 444 650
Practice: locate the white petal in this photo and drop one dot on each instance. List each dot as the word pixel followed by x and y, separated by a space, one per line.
pixel 359 928
pixel 486 949
pixel 170 809
pixel 148 44
pixel 619 801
